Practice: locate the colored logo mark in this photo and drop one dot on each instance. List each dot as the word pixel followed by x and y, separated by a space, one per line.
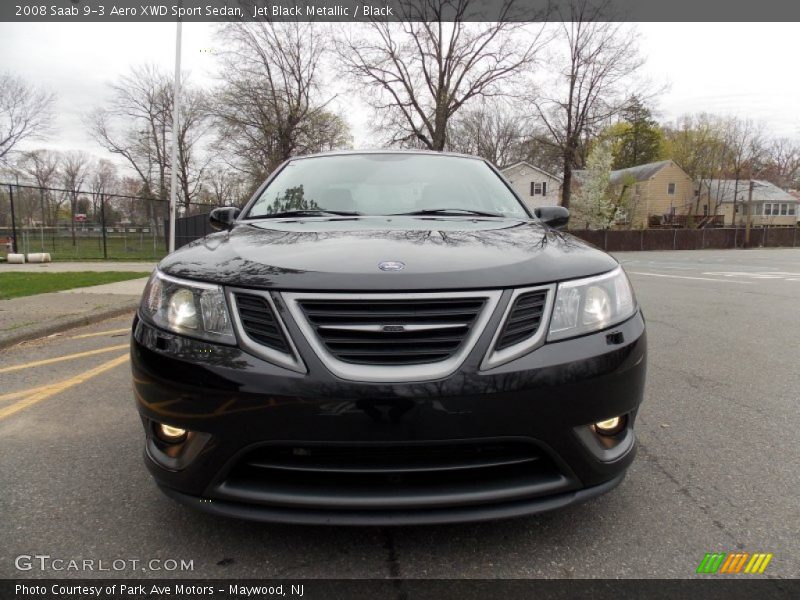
pixel 736 562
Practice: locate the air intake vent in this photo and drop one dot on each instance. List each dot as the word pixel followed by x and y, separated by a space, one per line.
pixel 392 332
pixel 524 319
pixel 259 322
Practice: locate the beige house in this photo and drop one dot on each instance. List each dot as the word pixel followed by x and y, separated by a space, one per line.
pixel 771 206
pixel 535 186
pixel 654 193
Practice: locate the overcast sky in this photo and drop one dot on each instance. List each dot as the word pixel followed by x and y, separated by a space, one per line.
pixel 745 69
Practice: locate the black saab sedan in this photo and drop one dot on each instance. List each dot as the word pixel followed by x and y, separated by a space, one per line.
pixel 387 338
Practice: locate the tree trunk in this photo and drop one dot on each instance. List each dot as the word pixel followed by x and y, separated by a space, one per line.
pixel 566 188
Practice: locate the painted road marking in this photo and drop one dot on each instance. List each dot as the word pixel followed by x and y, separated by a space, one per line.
pixel 49 361
pixel 61 386
pixel 785 275
pixel 687 277
pixel 21 393
pixel 99 333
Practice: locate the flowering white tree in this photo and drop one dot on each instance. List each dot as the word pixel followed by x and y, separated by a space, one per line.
pixel 593 202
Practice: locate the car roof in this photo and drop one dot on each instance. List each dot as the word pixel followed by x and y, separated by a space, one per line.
pixel 385 151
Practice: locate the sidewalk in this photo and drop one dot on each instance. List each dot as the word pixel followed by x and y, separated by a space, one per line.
pixel 63 267
pixel 33 317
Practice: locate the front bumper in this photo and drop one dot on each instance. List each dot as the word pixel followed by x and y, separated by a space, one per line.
pixel 539 408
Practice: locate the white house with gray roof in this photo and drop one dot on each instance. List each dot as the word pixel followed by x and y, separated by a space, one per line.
pixel 770 204
pixel 535 186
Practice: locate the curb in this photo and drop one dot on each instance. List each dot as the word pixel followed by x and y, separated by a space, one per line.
pixel 36 332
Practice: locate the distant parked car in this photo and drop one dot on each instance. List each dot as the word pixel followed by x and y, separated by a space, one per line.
pixel 386 338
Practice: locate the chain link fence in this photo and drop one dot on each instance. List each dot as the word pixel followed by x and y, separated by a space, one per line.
pixel 85 225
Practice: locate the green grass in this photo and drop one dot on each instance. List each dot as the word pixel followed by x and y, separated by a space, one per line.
pixel 17 284
pixel 133 247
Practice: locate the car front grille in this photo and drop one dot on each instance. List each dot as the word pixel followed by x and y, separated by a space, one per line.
pixel 377 476
pixel 392 332
pixel 524 319
pixel 259 322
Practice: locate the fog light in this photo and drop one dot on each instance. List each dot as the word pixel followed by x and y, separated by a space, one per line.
pixel 170 434
pixel 610 426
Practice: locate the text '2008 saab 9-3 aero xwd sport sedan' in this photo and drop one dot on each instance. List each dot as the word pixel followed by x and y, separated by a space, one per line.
pixel 387 338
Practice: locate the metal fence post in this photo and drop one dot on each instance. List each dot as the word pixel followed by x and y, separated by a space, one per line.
pixel 41 225
pixel 674 238
pixel 13 220
pixel 103 223
pixel 605 240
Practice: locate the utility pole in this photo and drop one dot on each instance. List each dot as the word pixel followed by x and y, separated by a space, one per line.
pixel 173 185
pixel 749 214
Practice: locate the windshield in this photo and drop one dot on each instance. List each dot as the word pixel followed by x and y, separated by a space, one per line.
pixel 385 184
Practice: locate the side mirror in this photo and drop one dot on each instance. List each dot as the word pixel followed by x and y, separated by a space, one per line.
pixel 223 217
pixel 556 217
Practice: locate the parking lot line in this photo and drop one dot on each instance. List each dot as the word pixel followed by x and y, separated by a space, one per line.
pixel 21 393
pixel 56 388
pixel 49 361
pixel 687 277
pixel 99 333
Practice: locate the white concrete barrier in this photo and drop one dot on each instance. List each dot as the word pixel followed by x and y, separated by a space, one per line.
pixel 15 259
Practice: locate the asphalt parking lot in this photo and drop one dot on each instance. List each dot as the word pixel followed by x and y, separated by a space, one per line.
pixel 717 470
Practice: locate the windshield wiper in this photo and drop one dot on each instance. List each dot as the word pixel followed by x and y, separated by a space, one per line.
pixel 448 211
pixel 308 212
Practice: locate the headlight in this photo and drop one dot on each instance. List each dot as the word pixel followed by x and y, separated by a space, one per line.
pixel 587 305
pixel 188 308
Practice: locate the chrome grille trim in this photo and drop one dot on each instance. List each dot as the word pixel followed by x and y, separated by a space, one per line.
pixel 290 360
pixel 391 373
pixel 495 358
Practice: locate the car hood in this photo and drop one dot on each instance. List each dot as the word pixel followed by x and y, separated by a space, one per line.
pixel 343 254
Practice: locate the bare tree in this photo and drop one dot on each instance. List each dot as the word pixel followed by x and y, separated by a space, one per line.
pixel 270 106
pixel 783 162
pixel 538 149
pixel 74 170
pixel 600 57
pixel 491 131
pixel 137 125
pixel 225 186
pixel 420 72
pixel 744 144
pixel 43 167
pixel 195 124
pixel 26 112
pixel 102 181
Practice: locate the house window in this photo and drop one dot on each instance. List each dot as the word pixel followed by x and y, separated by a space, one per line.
pixel 544 188
pixel 705 210
pixel 671 189
pixel 538 188
pixel 767 209
pixel 791 209
pixel 784 208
